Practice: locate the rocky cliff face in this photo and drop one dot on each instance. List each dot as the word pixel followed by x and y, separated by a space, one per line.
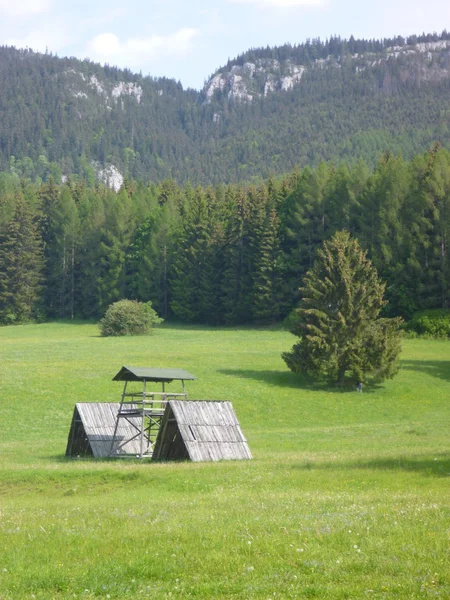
pixel 84 87
pixel 421 62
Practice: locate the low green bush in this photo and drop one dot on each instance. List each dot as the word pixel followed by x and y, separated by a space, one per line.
pixel 434 323
pixel 129 317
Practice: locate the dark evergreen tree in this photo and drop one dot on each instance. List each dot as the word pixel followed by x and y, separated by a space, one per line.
pixel 21 263
pixel 381 229
pixel 211 278
pixel 48 195
pixel 266 280
pixel 188 264
pixel 302 231
pixel 60 227
pixel 338 320
pixel 237 282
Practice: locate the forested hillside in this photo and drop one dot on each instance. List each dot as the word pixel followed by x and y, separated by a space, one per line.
pixel 262 114
pixel 221 254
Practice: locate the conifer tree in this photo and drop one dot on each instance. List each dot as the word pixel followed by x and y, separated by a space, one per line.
pixel 266 284
pixel 420 265
pixel 48 196
pixel 59 223
pixel 21 263
pixel 236 284
pixel 188 265
pixel 88 266
pixel 338 321
pixel 302 230
pixel 211 309
pixel 429 239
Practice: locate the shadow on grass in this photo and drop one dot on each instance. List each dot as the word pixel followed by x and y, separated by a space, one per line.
pixel 62 458
pixel 287 379
pixel 436 465
pixel 436 368
pixel 179 326
pixel 76 322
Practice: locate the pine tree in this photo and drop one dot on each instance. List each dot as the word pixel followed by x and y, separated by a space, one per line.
pixel 338 318
pixel 211 309
pixel 188 265
pixel 48 195
pixel 435 196
pixel 421 273
pixel 88 268
pixel 302 230
pixel 237 283
pixel 266 284
pixel 381 230
pixel 21 263
pixel 59 222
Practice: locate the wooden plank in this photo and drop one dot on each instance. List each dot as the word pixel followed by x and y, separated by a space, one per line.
pixel 99 420
pixel 206 431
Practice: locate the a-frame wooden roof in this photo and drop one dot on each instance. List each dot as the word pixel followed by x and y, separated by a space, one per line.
pixel 92 430
pixel 200 431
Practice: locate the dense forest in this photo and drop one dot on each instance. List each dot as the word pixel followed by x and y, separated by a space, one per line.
pixel 228 254
pixel 356 98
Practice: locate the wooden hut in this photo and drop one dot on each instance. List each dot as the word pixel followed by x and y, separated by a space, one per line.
pixel 200 431
pixel 93 430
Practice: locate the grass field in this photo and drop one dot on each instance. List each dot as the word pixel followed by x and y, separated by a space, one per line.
pixel 348 495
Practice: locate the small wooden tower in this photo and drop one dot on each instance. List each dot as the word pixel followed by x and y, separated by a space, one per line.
pixel 143 409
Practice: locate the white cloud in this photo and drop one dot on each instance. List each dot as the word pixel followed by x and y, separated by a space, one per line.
pixel 107 47
pixel 24 8
pixel 280 3
pixel 103 17
pixel 52 34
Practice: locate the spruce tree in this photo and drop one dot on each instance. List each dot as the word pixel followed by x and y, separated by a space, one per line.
pixel 211 308
pixel 60 231
pixel 48 196
pixel 302 230
pixel 266 284
pixel 236 285
pixel 21 263
pixel 188 265
pixel 338 321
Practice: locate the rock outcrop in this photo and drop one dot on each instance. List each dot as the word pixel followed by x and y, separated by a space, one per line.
pixel 425 61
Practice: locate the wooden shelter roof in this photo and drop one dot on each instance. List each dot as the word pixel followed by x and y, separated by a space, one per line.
pixel 200 431
pixel 158 375
pixel 92 431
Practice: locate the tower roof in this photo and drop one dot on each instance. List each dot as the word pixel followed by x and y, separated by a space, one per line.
pixel 158 375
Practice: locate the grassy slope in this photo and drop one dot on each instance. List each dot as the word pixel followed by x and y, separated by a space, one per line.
pixel 348 495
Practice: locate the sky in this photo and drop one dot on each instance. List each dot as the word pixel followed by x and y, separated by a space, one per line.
pixel 188 40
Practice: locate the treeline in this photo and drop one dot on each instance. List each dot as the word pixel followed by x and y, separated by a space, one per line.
pixel 334 46
pixel 221 255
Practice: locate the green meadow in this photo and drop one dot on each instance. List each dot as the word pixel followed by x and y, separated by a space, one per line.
pixel 348 495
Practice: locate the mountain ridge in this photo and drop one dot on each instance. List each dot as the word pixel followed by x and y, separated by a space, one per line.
pixel 277 75
pixel 265 112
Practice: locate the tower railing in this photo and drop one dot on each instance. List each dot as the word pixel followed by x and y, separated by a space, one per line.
pixel 143 410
